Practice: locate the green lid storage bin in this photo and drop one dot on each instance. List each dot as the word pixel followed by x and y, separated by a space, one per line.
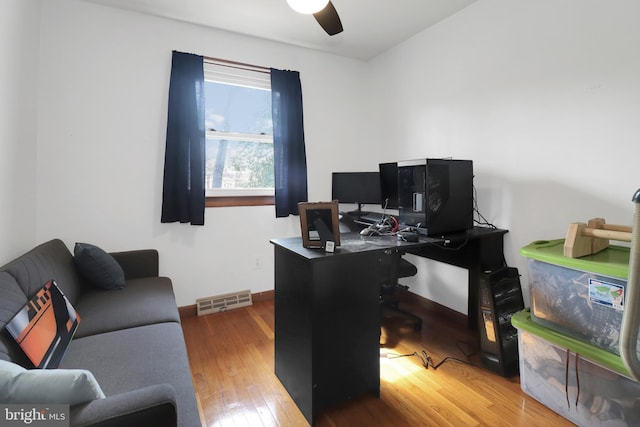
pixel 585 384
pixel 581 297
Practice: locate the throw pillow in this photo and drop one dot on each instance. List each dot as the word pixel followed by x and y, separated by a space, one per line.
pixel 98 267
pixel 64 386
pixel 44 327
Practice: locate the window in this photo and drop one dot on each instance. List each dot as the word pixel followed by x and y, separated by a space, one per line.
pixel 239 135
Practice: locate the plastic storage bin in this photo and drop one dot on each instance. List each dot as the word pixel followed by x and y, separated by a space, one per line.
pixel 583 383
pixel 581 297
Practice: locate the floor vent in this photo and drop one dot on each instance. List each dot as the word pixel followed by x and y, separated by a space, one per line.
pixel 224 302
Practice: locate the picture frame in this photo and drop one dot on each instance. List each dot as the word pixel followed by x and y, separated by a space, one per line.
pixel 319 223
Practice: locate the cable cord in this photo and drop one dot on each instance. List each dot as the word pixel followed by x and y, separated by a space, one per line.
pixel 427 361
pixel 481 219
pixel 387 226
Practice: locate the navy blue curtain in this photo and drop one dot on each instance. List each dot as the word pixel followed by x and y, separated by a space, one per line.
pixel 290 162
pixel 183 192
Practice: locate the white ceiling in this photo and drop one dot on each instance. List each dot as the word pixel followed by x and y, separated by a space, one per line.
pixel 370 26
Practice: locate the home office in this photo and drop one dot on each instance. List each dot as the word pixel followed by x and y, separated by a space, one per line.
pixel 432 196
pixel 340 287
pixel 519 87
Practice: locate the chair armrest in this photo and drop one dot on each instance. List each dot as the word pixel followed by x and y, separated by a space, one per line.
pixel 139 263
pixel 148 406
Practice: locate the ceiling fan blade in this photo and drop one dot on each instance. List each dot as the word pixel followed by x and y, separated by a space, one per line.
pixel 329 20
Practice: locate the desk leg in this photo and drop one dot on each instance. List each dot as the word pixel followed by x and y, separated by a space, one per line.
pixel 293 323
pixel 327 328
pixel 473 301
pixel 476 255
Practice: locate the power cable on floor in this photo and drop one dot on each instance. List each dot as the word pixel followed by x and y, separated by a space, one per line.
pixel 427 361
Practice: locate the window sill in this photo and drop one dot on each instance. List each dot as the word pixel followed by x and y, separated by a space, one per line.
pixel 226 201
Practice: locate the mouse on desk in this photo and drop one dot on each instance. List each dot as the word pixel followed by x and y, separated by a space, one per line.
pixel 368 232
pixel 409 236
pixel 379 229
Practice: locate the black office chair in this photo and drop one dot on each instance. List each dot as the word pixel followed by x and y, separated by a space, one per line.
pixel 399 267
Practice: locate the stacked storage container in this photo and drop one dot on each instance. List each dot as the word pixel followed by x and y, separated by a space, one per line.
pixel 568 342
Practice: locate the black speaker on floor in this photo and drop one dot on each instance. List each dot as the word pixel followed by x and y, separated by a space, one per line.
pixel 500 298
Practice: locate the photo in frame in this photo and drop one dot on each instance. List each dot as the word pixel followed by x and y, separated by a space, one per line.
pixel 319 224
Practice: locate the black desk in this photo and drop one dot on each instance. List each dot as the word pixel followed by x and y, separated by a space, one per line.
pixel 479 249
pixel 327 309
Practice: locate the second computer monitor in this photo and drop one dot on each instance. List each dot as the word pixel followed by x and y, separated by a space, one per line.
pixel 389 185
pixel 356 187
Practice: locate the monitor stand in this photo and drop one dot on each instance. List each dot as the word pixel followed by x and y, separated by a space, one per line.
pixel 358 212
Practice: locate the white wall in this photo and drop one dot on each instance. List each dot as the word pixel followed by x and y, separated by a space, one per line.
pixel 19 23
pixel 102 121
pixel 543 96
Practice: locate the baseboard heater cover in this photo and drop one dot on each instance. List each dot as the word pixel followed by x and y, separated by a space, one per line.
pixel 223 302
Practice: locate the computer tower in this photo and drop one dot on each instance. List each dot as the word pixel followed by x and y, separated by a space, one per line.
pixel 500 298
pixel 435 196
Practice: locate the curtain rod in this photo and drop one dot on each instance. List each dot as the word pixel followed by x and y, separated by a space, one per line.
pixel 234 64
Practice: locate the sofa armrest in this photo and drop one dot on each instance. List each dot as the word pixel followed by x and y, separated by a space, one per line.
pixel 148 406
pixel 139 263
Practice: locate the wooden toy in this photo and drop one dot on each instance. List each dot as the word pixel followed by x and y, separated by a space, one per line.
pixel 586 239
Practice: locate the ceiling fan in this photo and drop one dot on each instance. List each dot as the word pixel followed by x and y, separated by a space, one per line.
pixel 324 12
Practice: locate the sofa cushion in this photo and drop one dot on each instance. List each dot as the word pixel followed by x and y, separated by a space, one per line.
pixel 140 302
pixel 98 267
pixel 70 386
pixel 50 260
pixel 13 299
pixel 138 263
pixel 143 356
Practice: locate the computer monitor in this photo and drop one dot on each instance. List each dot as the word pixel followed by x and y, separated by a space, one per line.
pixel 389 185
pixel 356 187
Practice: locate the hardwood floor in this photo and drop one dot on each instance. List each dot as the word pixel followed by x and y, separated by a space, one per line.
pixel 232 359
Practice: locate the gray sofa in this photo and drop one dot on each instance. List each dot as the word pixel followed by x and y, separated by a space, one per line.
pixel 130 339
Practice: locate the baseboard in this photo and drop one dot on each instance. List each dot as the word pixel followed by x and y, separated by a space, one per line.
pixel 192 310
pixel 406 298
pixel 263 296
pixel 188 311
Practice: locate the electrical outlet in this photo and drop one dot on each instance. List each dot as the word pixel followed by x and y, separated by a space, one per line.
pixel 258 263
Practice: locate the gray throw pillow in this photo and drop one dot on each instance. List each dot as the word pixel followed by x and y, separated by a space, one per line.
pixel 63 386
pixel 98 267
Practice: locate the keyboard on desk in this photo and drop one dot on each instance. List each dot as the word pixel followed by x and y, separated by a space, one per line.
pixel 370 218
